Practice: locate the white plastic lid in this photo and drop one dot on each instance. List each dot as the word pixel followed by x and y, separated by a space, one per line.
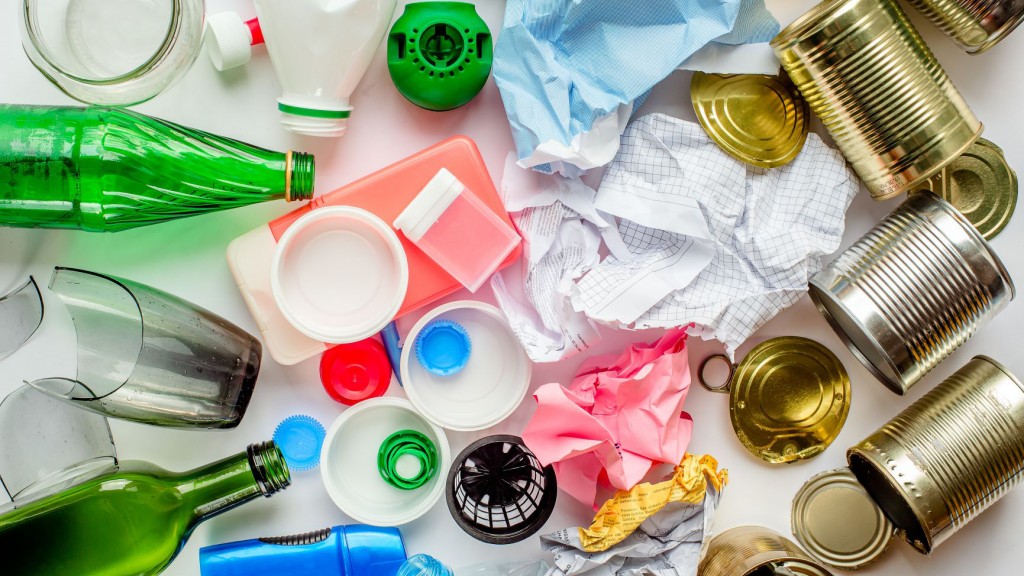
pixel 339 274
pixel 491 385
pixel 429 204
pixel 348 463
pixel 228 41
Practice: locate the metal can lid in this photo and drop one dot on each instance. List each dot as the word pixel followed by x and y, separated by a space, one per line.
pixel 981 185
pixel 789 399
pixel 758 119
pixel 837 522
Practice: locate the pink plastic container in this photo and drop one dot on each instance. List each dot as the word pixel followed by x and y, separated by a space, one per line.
pixel 457 230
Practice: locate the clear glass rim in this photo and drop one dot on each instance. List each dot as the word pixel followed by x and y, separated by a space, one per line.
pixel 158 56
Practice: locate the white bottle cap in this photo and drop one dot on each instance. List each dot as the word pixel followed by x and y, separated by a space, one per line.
pixel 429 204
pixel 228 41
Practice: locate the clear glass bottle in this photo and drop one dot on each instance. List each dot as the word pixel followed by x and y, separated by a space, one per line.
pixel 133 520
pixel 112 52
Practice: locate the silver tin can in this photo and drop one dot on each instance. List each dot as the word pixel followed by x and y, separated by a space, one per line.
pixel 948 456
pixel 975 25
pixel 912 290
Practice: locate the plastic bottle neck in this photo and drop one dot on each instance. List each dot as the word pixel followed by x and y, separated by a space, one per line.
pixel 299 176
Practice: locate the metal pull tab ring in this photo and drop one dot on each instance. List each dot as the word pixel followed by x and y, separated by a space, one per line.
pixel 722 388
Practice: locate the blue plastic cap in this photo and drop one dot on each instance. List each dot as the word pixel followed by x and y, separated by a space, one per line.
pixel 443 347
pixel 424 565
pixel 300 438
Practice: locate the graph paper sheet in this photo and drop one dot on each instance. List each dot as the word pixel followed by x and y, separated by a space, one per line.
pixel 710 239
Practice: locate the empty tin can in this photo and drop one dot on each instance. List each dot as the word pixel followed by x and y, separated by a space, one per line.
pixel 975 25
pixel 756 551
pixel 912 290
pixel 889 105
pixel 948 456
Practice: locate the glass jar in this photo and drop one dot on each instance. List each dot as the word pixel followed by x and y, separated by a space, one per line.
pixel 112 52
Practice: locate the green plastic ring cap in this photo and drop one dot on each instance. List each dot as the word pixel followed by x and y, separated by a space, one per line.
pixel 439 54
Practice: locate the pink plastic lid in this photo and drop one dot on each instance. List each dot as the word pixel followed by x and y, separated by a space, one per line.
pixel 355 372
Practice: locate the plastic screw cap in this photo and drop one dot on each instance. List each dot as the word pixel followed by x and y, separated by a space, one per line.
pixel 355 372
pixel 443 347
pixel 228 41
pixel 300 438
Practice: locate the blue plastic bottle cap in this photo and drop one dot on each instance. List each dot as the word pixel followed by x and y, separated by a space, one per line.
pixel 300 438
pixel 424 565
pixel 443 347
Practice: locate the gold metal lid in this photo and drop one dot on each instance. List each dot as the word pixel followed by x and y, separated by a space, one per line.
pixel 757 119
pixel 837 522
pixel 788 398
pixel 981 185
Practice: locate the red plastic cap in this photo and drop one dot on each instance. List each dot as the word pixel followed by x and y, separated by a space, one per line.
pixel 355 372
pixel 255 31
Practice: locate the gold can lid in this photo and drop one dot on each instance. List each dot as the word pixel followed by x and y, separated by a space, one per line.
pixel 981 185
pixel 837 522
pixel 758 119
pixel 789 399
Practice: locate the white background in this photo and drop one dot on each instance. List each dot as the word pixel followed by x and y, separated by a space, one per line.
pixel 187 258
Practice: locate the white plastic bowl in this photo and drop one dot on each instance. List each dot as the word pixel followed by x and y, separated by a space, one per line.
pixel 339 274
pixel 490 387
pixel 348 463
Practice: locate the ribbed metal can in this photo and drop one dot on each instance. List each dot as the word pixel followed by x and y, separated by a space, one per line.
pixel 948 456
pixel 975 25
pixel 745 550
pixel 889 105
pixel 912 290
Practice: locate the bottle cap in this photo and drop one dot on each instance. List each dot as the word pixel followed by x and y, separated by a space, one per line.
pixel 407 459
pixel 835 519
pixel 424 565
pixel 443 347
pixel 498 492
pixel 228 41
pixel 355 372
pixel 300 438
pixel 429 204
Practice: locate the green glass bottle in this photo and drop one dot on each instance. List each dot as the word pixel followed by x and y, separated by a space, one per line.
pixel 109 169
pixel 132 521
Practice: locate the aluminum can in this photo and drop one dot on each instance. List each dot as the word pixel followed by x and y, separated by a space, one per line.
pixel 948 456
pixel 912 290
pixel 750 550
pixel 889 105
pixel 975 25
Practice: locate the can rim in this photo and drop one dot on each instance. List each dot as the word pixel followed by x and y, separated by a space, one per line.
pixel 799 28
pixel 1002 368
pixel 997 37
pixel 908 188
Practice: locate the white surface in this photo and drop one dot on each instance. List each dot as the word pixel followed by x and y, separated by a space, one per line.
pixel 187 258
pixel 339 274
pixel 488 389
pixel 348 463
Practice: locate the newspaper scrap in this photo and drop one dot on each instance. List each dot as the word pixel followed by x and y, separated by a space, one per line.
pixel 667 543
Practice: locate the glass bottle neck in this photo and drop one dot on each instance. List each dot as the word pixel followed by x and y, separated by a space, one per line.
pixel 221 486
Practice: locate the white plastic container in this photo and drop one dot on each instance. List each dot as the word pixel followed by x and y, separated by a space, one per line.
pixel 320 50
pixel 457 230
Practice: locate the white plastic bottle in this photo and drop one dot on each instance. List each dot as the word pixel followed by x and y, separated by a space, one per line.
pixel 320 50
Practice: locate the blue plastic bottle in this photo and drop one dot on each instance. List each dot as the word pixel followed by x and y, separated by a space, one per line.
pixel 354 550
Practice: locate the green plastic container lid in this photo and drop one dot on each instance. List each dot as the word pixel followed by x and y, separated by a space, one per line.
pixel 439 54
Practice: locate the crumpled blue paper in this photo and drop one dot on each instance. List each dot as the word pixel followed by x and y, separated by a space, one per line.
pixel 570 71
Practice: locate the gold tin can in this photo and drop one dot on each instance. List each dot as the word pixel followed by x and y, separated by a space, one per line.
pixel 758 119
pixel 788 398
pixel 981 185
pixel 948 456
pixel 753 550
pixel 975 25
pixel 912 290
pixel 889 105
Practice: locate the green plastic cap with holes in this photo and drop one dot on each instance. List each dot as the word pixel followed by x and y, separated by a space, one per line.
pixel 439 54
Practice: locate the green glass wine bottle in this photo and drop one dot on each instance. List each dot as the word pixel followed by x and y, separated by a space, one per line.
pixel 133 521
pixel 109 169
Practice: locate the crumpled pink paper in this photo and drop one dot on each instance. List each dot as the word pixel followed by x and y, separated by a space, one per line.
pixel 615 421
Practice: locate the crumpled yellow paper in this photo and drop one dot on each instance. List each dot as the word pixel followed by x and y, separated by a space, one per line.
pixel 624 512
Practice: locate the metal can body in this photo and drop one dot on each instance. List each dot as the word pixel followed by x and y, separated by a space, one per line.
pixel 889 105
pixel 948 456
pixel 912 290
pixel 743 550
pixel 975 25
